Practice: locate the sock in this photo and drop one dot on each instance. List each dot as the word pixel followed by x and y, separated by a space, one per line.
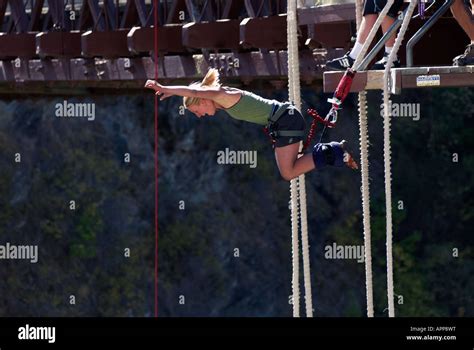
pixel 356 50
pixel 328 154
pixel 388 49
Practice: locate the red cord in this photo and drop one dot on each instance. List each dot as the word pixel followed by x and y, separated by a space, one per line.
pixel 312 130
pixel 343 88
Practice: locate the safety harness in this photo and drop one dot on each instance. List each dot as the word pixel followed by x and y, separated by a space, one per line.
pixel 342 90
pixel 274 117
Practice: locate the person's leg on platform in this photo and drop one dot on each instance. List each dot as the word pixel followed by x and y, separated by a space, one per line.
pixel 465 17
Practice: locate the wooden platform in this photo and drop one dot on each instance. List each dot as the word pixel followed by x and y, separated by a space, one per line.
pixel 405 78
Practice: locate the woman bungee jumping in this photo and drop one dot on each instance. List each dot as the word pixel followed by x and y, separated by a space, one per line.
pixel 285 123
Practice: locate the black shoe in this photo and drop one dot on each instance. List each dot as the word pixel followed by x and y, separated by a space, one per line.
pixel 380 65
pixel 348 160
pixel 467 58
pixel 332 153
pixel 341 63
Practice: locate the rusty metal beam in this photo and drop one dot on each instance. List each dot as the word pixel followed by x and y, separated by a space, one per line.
pixel 17 45
pixel 105 44
pixel 222 34
pixel 140 40
pixel 169 38
pixel 264 33
pixel 233 67
pixel 58 44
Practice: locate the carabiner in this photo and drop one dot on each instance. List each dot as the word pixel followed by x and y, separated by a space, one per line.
pixel 332 116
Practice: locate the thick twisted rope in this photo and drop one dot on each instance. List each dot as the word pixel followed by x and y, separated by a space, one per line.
pixel 297 186
pixel 387 153
pixel 365 189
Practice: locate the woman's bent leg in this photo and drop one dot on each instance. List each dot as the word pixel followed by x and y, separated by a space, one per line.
pixel 289 164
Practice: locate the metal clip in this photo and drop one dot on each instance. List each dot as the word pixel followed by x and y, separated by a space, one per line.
pixel 332 116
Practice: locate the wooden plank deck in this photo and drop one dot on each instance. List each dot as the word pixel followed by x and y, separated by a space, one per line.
pixel 405 78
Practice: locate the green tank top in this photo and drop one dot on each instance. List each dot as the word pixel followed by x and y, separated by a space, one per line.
pixel 253 108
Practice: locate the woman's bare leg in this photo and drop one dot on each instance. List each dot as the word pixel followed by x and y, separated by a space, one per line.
pixel 289 164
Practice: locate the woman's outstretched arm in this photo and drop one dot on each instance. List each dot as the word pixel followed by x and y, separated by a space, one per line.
pixel 184 91
pixel 222 95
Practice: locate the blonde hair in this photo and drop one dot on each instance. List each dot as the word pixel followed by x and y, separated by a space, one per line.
pixel 209 81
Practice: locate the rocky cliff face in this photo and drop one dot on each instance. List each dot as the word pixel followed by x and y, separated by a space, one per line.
pixel 224 230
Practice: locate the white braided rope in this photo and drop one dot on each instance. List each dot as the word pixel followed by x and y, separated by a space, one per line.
pixel 365 189
pixel 299 183
pixel 296 98
pixel 294 183
pixel 305 247
pixel 387 153
pixel 295 284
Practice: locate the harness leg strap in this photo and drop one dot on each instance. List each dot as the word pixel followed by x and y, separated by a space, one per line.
pixel 331 153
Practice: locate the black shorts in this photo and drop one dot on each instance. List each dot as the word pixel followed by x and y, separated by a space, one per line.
pixel 376 6
pixel 291 119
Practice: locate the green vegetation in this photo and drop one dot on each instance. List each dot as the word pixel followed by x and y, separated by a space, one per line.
pixel 227 251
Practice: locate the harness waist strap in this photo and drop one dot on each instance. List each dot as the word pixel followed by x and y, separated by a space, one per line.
pixel 279 112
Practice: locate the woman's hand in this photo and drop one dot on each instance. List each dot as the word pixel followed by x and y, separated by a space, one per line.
pixel 159 89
